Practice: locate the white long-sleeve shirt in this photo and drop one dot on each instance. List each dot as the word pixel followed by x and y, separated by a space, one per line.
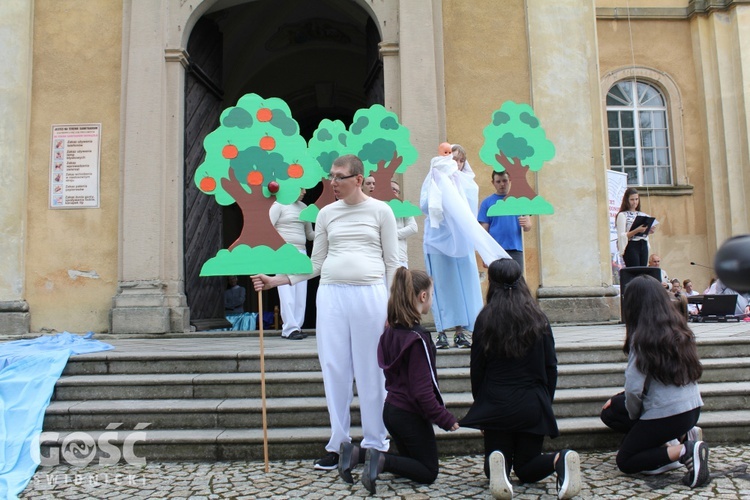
pixel 405 227
pixel 354 244
pixel 285 218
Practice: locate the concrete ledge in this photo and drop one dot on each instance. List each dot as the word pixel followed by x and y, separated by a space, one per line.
pixel 579 304
pixel 15 319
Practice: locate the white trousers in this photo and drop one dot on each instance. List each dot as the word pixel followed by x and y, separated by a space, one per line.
pixel 292 299
pixel 349 324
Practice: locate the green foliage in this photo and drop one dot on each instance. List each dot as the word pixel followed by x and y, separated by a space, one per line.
pixel 328 142
pixel 516 132
pixel 378 136
pixel 241 126
pixel 521 206
pixel 374 136
pixel 404 208
pixel 256 260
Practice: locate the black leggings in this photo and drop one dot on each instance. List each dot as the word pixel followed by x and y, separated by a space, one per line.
pixel 636 253
pixel 415 441
pixel 643 447
pixel 522 452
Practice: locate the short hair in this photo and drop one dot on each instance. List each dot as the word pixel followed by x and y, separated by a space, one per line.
pixel 685 282
pixel 353 162
pixel 504 172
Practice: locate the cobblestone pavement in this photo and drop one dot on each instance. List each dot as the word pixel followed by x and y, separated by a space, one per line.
pixel 460 477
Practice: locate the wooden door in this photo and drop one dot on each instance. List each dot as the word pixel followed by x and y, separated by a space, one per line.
pixel 203 216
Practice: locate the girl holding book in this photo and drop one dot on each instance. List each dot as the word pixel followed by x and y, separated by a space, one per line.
pixel 632 241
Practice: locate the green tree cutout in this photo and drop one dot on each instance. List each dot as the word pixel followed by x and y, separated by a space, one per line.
pixel 379 140
pixel 515 141
pixel 255 157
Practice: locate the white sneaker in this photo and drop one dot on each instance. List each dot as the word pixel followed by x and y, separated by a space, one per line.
pixel 695 434
pixel 500 486
pixel 568 468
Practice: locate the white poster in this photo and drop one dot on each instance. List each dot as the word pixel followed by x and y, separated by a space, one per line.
pixel 74 166
pixel 617 183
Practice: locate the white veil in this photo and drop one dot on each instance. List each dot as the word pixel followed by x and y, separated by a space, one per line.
pixel 450 199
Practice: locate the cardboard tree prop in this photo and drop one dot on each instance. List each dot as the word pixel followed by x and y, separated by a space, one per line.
pixel 255 157
pixel 379 140
pixel 515 141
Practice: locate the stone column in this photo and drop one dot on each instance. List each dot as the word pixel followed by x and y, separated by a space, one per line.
pixel 574 242
pixel 722 52
pixel 422 94
pixel 16 31
pixel 150 297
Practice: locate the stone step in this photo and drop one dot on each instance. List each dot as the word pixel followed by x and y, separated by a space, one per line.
pixel 307 442
pixel 312 411
pixel 165 362
pixel 310 383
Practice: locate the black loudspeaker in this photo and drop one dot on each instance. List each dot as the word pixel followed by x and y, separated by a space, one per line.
pixel 628 273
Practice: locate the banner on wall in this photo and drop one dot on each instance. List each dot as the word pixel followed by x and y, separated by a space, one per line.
pixel 74 166
pixel 617 183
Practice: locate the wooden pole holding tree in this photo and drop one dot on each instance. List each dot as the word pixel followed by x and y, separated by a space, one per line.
pixel 263 383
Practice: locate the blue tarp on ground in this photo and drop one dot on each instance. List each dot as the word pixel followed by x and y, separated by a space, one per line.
pixel 29 369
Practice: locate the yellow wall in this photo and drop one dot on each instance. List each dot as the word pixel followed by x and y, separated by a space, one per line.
pixel 479 81
pixel 681 237
pixel 76 79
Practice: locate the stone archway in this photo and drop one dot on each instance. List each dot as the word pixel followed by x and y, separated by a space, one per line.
pixel 321 58
pixel 151 283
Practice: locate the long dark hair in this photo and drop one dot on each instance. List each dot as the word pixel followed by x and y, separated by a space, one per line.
pixel 625 205
pixel 658 334
pixel 511 322
pixel 403 308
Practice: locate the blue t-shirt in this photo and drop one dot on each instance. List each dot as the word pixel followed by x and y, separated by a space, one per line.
pixel 505 229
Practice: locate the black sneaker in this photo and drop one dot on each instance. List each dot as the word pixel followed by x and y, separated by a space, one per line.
pixel 295 335
pixel 460 340
pixel 328 462
pixel 442 341
pixel 696 461
pixel 568 469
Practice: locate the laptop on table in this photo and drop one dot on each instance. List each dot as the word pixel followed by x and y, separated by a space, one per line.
pixel 718 308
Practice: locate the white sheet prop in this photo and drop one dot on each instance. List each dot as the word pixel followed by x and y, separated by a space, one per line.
pixel 450 200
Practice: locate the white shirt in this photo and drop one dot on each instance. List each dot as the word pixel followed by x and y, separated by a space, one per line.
pixel 354 244
pixel 405 226
pixel 285 218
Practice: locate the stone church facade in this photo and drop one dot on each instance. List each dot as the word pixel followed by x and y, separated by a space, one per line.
pixel 656 89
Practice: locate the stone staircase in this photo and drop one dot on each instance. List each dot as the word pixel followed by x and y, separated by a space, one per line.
pixel 206 405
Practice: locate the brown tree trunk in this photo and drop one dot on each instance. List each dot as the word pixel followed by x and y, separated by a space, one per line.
pixel 383 176
pixel 326 196
pixel 519 185
pixel 257 229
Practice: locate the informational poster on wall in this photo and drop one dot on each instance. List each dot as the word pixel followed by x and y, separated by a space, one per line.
pixel 74 166
pixel 617 183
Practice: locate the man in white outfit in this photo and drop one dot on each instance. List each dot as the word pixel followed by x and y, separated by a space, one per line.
pixel 292 298
pixel 355 247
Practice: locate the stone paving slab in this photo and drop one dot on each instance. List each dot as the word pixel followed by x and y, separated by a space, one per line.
pixel 460 478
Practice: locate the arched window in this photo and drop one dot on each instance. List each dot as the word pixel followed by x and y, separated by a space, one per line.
pixel 639 134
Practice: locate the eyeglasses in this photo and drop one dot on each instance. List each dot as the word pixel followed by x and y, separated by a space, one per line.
pixel 338 178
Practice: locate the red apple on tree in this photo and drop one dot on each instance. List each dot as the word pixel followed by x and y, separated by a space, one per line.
pixel 273 187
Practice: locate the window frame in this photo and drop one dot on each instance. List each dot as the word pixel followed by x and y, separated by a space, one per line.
pixel 674 112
